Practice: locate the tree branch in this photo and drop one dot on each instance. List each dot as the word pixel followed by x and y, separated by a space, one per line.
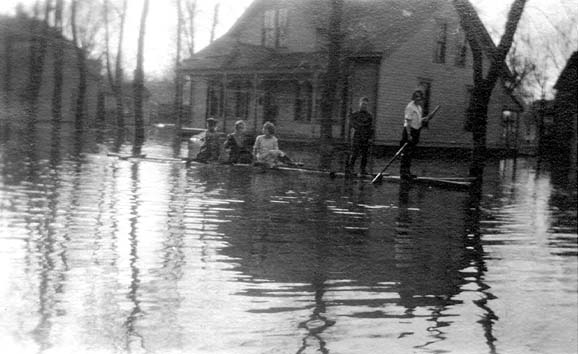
pixel 499 55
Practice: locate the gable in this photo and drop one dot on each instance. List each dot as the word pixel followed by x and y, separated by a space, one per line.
pixel 371 27
pixel 568 79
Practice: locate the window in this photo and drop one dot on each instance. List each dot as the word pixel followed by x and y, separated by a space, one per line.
pixel 303 101
pixel 461 49
pixel 215 99
pixel 241 90
pixel 275 25
pixel 282 25
pixel 269 29
pixel 441 43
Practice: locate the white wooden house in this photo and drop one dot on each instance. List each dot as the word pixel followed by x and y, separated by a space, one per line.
pixel 270 65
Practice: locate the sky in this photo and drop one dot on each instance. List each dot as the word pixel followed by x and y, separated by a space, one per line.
pixel 160 37
pixel 545 20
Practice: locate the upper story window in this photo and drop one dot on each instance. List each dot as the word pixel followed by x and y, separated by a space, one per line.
pixel 441 44
pixel 275 24
pixel 461 49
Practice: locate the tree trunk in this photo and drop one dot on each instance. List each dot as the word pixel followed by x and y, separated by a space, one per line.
pixel 38 48
pixel 479 109
pixel 82 87
pixel 100 113
pixel 82 71
pixel 190 28
pixel 58 66
pixel 109 75
pixel 119 75
pixel 330 82
pixel 7 81
pixel 139 84
pixel 178 75
pixel 215 21
pixel 483 87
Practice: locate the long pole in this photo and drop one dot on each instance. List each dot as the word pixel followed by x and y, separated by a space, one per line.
pixel 378 177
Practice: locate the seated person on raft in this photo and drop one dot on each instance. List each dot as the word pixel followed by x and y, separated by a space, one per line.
pixel 266 149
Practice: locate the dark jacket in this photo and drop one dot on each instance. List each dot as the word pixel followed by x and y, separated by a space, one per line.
pixel 238 149
pixel 362 122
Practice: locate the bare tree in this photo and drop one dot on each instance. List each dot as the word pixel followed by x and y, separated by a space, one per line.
pixel 139 83
pixel 522 68
pixel 215 21
pixel 540 49
pixel 9 60
pixel 119 75
pixel 84 34
pixel 178 74
pixel 58 46
pixel 81 65
pixel 331 80
pixel 38 49
pixel 115 76
pixel 189 26
pixel 483 86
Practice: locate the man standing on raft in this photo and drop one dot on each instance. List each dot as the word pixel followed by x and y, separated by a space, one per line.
pixel 362 124
pixel 413 122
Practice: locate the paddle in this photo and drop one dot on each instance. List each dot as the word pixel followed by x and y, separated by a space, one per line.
pixel 379 176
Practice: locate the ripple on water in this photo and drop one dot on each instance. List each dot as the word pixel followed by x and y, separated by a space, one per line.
pixel 123 256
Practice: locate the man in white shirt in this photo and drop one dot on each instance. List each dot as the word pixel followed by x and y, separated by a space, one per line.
pixel 413 122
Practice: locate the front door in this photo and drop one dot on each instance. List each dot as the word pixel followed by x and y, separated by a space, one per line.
pixel 270 104
pixel 363 82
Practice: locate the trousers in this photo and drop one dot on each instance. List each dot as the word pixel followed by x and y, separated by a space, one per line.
pixel 407 154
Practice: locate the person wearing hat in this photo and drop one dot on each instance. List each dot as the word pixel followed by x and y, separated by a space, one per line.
pixel 412 124
pixel 210 150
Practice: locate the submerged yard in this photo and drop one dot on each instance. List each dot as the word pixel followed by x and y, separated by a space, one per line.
pixel 103 255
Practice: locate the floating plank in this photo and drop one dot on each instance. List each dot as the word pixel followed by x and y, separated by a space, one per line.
pixel 147 158
pixel 126 156
pixel 453 183
pixel 446 182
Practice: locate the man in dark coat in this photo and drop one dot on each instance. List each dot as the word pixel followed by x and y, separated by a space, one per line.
pixel 362 124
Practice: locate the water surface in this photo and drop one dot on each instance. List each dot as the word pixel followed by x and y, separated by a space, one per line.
pixel 104 255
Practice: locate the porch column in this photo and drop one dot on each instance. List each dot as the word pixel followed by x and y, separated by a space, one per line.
pixel 225 83
pixel 191 98
pixel 315 108
pixel 255 101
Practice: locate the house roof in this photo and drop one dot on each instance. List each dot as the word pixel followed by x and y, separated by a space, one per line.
pixel 23 28
pixel 568 78
pixel 231 54
pixel 482 36
pixel 370 27
pixel 382 26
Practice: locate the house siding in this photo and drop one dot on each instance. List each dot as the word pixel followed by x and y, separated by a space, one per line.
pixel 16 76
pixel 413 62
pixel 399 69
pixel 302 31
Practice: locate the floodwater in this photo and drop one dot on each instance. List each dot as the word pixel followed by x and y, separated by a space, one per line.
pixel 104 255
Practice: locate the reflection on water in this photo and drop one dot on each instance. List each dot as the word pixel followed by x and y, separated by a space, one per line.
pixel 100 254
